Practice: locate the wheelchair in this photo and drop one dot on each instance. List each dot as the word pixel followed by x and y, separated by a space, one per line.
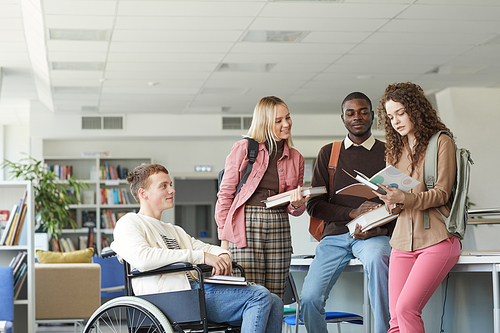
pixel 172 312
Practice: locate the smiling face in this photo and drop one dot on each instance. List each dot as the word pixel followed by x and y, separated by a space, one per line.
pixel 283 123
pixel 358 119
pixel 160 193
pixel 400 120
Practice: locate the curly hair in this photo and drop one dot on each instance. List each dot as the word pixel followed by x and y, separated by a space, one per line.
pixel 425 121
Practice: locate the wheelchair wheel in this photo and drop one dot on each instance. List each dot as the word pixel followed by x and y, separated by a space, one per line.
pixel 128 314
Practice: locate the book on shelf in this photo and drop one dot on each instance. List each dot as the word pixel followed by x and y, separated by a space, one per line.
pixel 20 225
pixel 20 280
pixel 15 223
pixel 371 219
pixel 284 198
pixel 5 227
pixel 226 279
pixel 389 176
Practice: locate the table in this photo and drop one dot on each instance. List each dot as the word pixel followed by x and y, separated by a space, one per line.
pixel 466 263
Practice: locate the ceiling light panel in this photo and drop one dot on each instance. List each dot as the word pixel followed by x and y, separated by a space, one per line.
pixel 275 36
pixel 248 67
pixel 74 34
pixel 77 66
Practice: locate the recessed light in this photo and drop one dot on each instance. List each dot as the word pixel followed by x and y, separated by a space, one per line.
pixel 74 34
pixel 78 66
pixel 151 84
pixel 231 67
pixel 275 36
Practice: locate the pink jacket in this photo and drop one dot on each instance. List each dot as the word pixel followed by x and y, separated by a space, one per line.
pixel 231 208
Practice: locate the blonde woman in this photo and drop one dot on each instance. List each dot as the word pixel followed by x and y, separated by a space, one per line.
pixel 259 237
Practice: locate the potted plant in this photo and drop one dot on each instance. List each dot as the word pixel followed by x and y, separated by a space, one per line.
pixel 52 195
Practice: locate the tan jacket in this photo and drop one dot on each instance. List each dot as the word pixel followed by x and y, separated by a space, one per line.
pixel 409 234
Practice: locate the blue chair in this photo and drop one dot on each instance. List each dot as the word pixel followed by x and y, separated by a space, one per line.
pixel 331 316
pixel 7 296
pixel 112 277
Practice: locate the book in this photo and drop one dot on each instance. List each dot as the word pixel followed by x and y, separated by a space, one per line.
pixel 226 279
pixel 284 198
pixel 4 231
pixel 389 176
pixel 20 225
pixel 20 280
pixel 371 219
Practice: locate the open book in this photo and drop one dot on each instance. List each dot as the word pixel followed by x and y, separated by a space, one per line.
pixel 389 176
pixel 226 279
pixel 284 198
pixel 371 219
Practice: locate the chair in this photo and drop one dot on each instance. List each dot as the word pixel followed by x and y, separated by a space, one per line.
pixel 66 293
pixel 291 296
pixel 112 277
pixel 183 310
pixel 6 297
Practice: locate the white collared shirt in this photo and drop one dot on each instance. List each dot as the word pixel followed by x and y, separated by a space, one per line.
pixel 368 143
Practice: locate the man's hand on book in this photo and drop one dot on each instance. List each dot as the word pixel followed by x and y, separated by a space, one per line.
pixel 393 196
pixel 222 264
pixel 365 206
pixel 378 231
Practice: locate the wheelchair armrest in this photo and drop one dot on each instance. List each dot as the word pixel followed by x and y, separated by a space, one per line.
pixel 180 267
pixel 107 252
pixel 172 268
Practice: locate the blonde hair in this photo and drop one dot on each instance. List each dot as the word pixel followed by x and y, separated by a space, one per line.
pixel 264 118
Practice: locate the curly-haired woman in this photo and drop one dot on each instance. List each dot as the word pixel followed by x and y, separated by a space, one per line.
pixel 421 258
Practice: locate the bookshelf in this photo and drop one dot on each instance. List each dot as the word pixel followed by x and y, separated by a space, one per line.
pixel 24 305
pixel 111 197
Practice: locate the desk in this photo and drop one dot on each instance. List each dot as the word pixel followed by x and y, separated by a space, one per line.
pixel 466 263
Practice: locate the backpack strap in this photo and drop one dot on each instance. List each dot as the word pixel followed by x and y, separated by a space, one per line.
pixel 316 226
pixel 332 165
pixel 430 169
pixel 253 150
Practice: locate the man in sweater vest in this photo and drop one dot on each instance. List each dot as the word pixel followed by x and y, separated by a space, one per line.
pixel 362 152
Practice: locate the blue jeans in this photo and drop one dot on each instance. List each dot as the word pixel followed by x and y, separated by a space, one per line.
pixel 332 255
pixel 253 307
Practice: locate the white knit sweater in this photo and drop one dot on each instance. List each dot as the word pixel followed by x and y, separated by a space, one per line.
pixel 137 239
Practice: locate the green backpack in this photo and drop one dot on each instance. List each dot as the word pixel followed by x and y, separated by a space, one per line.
pixel 457 220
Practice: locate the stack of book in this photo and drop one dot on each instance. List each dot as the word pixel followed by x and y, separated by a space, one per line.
pixel 13 230
pixel 19 268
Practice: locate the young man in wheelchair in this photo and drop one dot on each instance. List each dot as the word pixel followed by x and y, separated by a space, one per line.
pixel 147 243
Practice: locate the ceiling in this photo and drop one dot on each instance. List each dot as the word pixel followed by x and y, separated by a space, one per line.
pixel 221 57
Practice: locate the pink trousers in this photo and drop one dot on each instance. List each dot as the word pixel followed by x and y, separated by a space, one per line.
pixel 413 278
